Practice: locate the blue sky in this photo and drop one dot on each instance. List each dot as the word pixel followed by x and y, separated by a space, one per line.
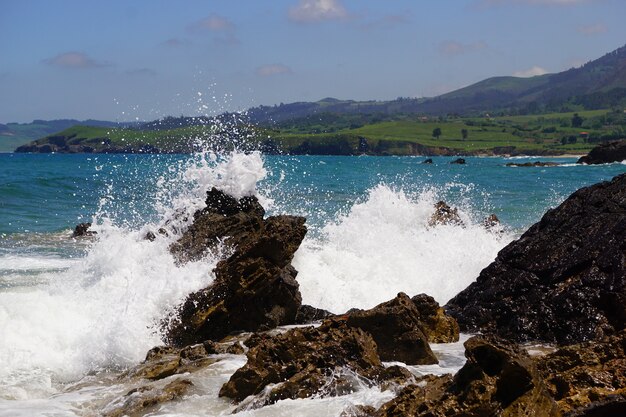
pixel 123 60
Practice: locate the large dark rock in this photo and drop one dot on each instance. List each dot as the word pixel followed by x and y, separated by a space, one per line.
pixel 498 379
pixel 605 153
pixel 225 220
pixel 563 281
pixel 588 379
pixel 397 330
pixel 255 288
pixel 306 361
pixel 532 164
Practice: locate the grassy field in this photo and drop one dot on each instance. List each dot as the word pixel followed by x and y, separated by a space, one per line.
pixel 538 134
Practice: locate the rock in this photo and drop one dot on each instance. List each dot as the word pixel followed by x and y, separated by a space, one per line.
pixel 445 215
pixel 82 230
pixel 605 153
pixel 307 314
pixel 588 379
pixel 498 379
pixel 303 362
pixel 225 220
pixel 143 400
pixel 396 328
pixel 533 164
pixel 212 347
pixel 427 161
pixel 434 322
pixel 458 161
pixel 491 221
pixel 563 281
pixel 254 289
pixel 358 411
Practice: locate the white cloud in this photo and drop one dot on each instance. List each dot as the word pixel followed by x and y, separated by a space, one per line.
pixel 273 69
pixel 77 60
pixel 452 48
pixel 590 30
pixel 317 10
pixel 213 23
pixel 530 72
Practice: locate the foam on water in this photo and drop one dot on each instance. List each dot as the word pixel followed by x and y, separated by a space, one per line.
pixel 384 245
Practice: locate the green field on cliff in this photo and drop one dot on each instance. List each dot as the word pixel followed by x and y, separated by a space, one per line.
pixel 554 133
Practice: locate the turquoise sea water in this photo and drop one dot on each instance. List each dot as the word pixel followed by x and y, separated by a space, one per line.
pixel 75 312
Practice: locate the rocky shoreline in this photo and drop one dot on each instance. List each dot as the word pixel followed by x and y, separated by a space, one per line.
pixel 562 282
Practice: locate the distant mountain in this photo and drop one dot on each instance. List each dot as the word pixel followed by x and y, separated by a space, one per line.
pixel 13 135
pixel 597 84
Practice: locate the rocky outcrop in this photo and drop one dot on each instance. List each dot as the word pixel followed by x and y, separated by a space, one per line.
pixel 605 153
pixel 491 221
pixel 458 161
pixel 533 164
pixel 255 288
pixel 563 281
pixel 307 314
pixel 434 322
pixel 444 214
pixel 588 379
pixel 224 221
pixel 427 161
pixel 307 361
pixel 498 379
pixel 397 330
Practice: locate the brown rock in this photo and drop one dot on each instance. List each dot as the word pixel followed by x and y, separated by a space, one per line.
pixel 533 164
pixel 395 326
pixel 498 379
pixel 444 214
pixel 143 400
pixel 303 362
pixel 435 323
pixel 308 314
pixel 82 230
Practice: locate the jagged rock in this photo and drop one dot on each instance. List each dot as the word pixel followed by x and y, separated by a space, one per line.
pixel 444 214
pixel 459 161
pixel 396 328
pixel 434 322
pixel 498 379
pixel 212 347
pixel 563 281
pixel 254 289
pixel 427 161
pixel 605 153
pixel 225 220
pixel 308 314
pixel 532 164
pixel 82 229
pixel 358 411
pixel 142 400
pixel 491 221
pixel 588 379
pixel 305 361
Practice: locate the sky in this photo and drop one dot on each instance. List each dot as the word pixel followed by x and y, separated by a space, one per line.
pixel 146 59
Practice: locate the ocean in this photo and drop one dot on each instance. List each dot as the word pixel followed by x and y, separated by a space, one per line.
pixel 75 313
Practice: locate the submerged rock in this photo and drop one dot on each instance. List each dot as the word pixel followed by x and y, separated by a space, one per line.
pixel 498 379
pixel 255 288
pixel 605 153
pixel 427 161
pixel 82 230
pixel 444 215
pixel 458 161
pixel 563 281
pixel 326 360
pixel 396 328
pixel 145 399
pixel 491 221
pixel 532 164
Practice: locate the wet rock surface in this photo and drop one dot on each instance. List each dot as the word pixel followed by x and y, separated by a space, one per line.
pixel 588 379
pixel 458 161
pixel 396 327
pixel 434 322
pixel 308 314
pixel 142 400
pixel 306 361
pixel 254 289
pixel 562 281
pixel 605 153
pixel 498 379
pixel 82 230
pixel 444 215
